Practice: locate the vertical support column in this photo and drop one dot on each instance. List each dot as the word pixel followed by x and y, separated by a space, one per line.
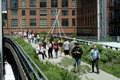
pixel 98 20
pixel 1 54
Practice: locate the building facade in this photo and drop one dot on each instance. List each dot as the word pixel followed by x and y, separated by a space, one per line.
pixel 40 15
pixel 87 17
pixel 114 20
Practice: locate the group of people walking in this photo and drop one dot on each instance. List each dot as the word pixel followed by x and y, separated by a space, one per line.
pixel 76 51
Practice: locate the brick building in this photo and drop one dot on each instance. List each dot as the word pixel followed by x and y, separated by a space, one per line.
pixel 114 20
pixel 87 18
pixel 39 15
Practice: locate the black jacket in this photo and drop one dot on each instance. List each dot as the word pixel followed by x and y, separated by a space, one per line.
pixel 76 55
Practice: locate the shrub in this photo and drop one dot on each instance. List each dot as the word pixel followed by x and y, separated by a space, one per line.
pixel 82 69
pixel 103 58
pixel 73 35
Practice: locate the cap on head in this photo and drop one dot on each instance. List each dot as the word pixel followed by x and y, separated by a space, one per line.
pixel 76 43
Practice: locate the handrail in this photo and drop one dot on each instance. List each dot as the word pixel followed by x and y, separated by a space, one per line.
pixel 90 42
pixel 24 62
pixel 40 72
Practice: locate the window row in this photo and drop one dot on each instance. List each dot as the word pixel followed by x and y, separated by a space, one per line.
pixel 43 22
pixel 43 3
pixel 42 13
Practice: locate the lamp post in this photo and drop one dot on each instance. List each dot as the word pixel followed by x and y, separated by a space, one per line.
pixel 98 20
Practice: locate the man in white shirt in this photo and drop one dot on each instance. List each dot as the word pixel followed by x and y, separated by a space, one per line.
pixel 66 47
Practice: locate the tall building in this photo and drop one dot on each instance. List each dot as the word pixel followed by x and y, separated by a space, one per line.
pixel 114 18
pixel 87 18
pixel 39 15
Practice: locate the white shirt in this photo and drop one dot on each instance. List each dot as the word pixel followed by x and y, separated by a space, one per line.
pixel 66 45
pixel 41 49
pixel 37 50
pixel 29 36
pixel 95 54
pixel 25 34
pixel 37 36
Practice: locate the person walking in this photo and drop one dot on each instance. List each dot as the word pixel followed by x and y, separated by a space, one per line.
pixel 60 44
pixel 29 37
pixel 55 47
pixel 76 54
pixel 35 37
pixel 44 45
pixel 50 45
pixel 38 38
pixel 94 55
pixel 73 43
pixel 32 37
pixel 66 47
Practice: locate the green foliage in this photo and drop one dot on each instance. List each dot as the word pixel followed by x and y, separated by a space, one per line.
pixel 66 62
pixel 3 22
pixel 73 35
pixel 103 58
pixel 42 32
pixel 82 69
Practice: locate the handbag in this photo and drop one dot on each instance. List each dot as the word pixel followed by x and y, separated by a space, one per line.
pixel 54 47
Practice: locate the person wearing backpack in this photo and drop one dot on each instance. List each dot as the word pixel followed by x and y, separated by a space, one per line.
pixel 50 45
pixel 55 47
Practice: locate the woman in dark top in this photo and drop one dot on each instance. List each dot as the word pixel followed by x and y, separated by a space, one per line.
pixel 50 45
pixel 60 44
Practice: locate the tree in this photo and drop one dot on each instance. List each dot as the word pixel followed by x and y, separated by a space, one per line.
pixel 3 22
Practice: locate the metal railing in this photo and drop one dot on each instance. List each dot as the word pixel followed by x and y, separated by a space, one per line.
pixel 90 42
pixel 27 63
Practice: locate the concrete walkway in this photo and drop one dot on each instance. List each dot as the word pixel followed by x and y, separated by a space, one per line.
pixel 91 76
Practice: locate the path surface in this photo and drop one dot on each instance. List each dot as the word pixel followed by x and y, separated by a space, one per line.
pixel 92 76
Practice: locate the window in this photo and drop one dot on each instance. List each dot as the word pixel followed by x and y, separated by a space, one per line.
pixel 118 2
pixel 73 12
pixel 32 22
pixel 14 23
pixel 53 12
pixel 23 23
pixel 73 3
pixel 64 3
pixel 53 23
pixel 64 12
pixel 112 3
pixel 23 13
pixel 64 22
pixel 32 13
pixel 23 3
pixel 43 13
pixel 43 22
pixel 54 3
pixel 14 13
pixel 32 3
pixel 111 15
pixel 73 22
pixel 42 3
pixel 13 4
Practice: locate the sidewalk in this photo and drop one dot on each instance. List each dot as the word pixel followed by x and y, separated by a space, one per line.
pixel 92 76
